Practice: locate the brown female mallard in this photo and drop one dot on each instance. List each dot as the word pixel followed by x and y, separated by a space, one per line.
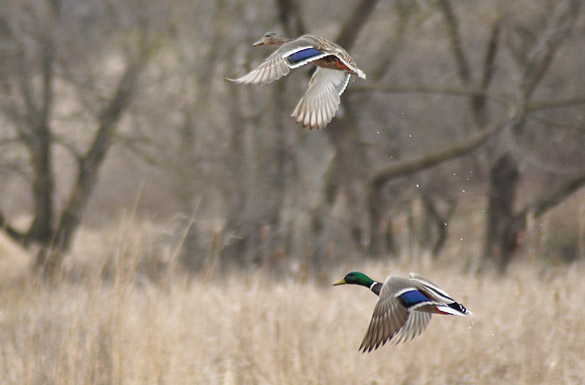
pixel 334 68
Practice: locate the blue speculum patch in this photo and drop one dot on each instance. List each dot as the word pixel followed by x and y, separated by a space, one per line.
pixel 411 298
pixel 304 54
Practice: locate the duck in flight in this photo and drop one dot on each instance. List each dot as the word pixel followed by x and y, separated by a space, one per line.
pixel 404 308
pixel 334 68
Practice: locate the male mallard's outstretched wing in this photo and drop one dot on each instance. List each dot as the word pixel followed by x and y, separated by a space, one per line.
pixel 321 101
pixel 415 324
pixel 404 307
pixel 443 303
pixel 388 318
pixel 395 316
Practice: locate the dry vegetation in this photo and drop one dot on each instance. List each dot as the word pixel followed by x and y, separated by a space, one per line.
pixel 106 322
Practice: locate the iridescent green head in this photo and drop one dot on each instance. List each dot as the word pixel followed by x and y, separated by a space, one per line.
pixel 355 278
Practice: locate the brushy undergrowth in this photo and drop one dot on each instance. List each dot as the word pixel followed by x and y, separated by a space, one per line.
pixel 107 322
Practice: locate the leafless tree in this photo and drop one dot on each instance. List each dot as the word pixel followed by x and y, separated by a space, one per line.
pixel 52 48
pixel 472 86
pixel 533 51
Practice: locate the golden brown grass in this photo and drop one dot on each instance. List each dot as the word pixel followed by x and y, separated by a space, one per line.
pixel 529 327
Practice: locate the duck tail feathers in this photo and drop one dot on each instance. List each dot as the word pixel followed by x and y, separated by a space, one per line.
pixel 454 309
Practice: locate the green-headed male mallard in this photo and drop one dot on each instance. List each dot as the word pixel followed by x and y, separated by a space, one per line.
pixel 334 68
pixel 404 308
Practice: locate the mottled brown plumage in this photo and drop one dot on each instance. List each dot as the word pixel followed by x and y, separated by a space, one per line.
pixel 335 67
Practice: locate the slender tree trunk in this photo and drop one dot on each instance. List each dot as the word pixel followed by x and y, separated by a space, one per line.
pixel 350 175
pixel 191 256
pixel 376 208
pixel 41 230
pixel 50 256
pixel 500 241
pixel 40 143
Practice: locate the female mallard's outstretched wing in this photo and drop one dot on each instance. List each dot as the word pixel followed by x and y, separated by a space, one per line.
pixel 271 69
pixel 293 54
pixel 321 101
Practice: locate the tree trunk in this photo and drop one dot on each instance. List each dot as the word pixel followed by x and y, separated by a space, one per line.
pixel 377 236
pixel 50 255
pixel 500 240
pixel 41 230
pixel 350 160
pixel 191 255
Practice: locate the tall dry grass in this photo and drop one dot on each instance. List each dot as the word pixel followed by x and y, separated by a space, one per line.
pixel 106 322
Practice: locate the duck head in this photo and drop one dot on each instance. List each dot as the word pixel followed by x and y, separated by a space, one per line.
pixel 355 278
pixel 272 38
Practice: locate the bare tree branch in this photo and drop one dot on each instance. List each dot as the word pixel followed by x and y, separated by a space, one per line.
pixel 455 40
pixel 541 206
pixel 549 105
pixel 434 158
pixel 352 27
pixel 478 100
pixel 395 43
pixel 14 234
pixel 556 123
pixel 490 55
pixel 290 17
pixel 545 204
pixel 544 50
pixel 135 148
pixel 9 141
pixel 424 89
pixel 499 97
pixel 57 139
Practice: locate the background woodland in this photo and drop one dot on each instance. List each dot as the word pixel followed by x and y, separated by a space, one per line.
pixel 472 113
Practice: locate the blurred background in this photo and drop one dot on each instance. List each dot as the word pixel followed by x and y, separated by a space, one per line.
pixel 464 144
pixel 160 225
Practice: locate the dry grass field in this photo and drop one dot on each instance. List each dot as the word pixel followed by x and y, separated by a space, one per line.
pixel 529 327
